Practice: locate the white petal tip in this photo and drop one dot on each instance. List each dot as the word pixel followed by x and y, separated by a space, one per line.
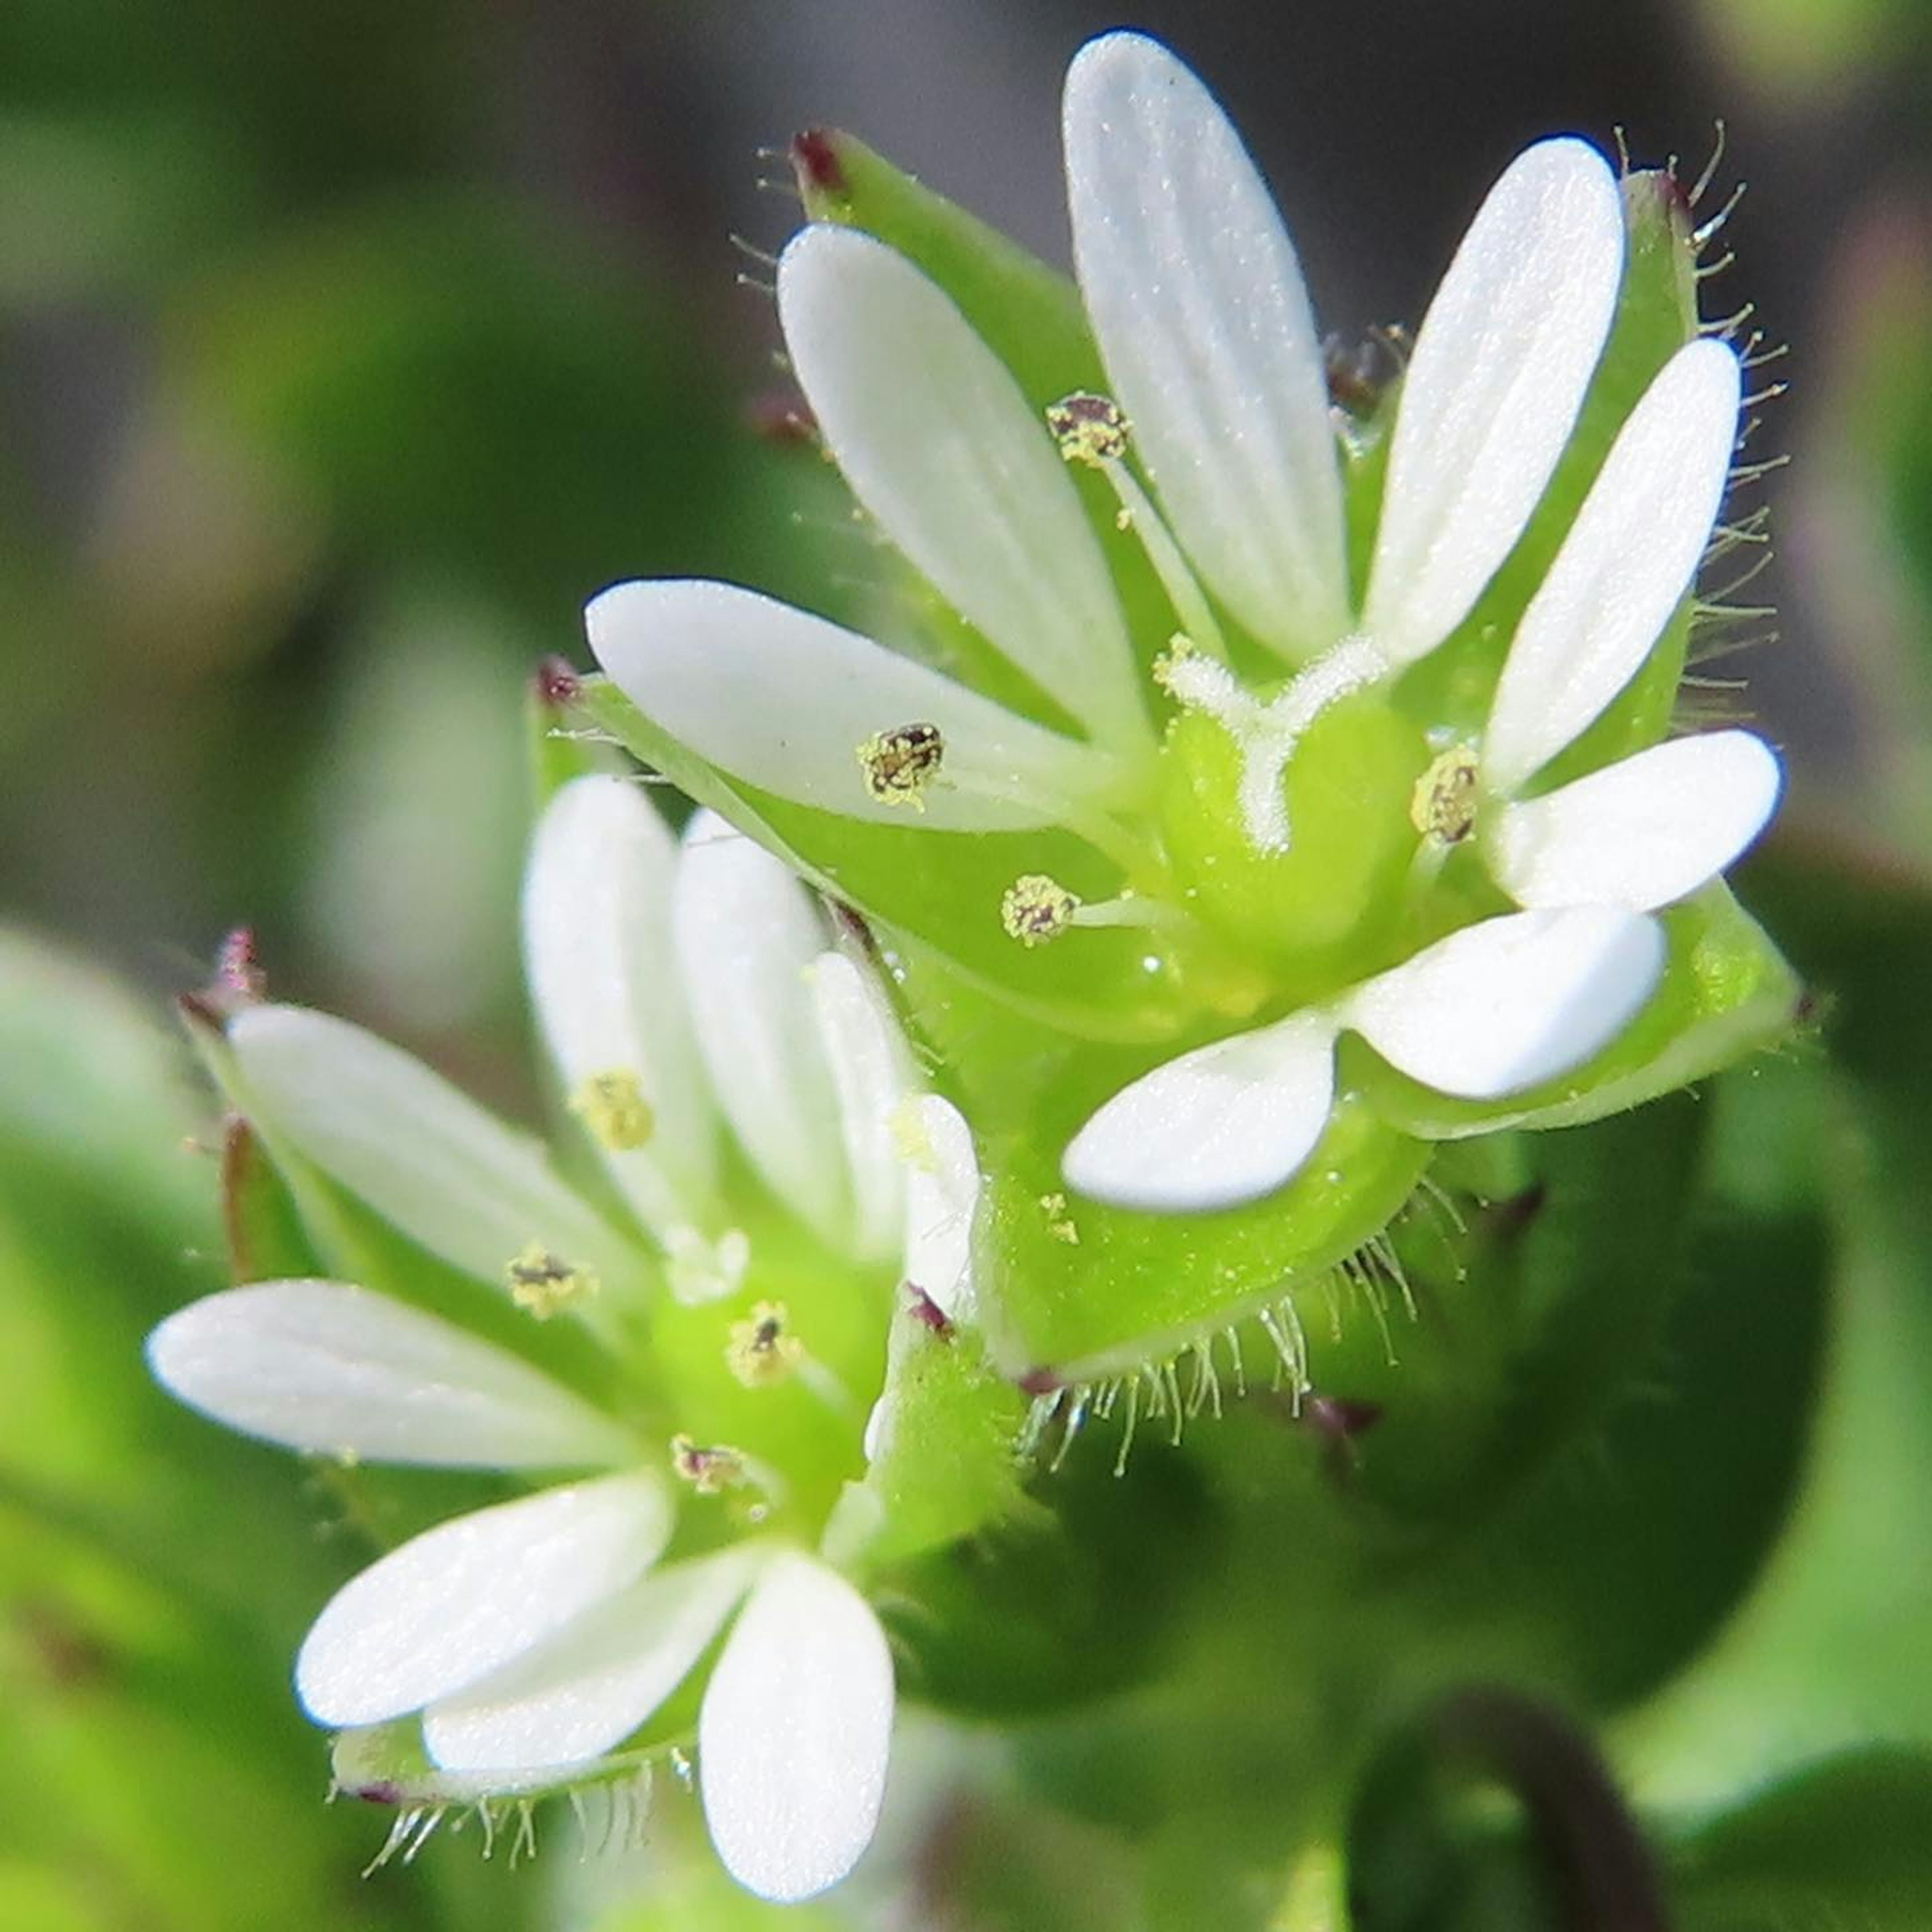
pixel 1216 1128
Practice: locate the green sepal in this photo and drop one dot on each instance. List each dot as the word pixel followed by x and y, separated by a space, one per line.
pixel 945 1465
pixel 1726 992
pixel 1074 1291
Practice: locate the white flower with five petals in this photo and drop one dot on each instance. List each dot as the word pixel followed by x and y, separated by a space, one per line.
pixel 1197 304
pixel 533 1637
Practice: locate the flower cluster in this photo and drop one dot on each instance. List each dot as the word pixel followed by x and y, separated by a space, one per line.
pixel 1356 712
pixel 1279 781
pixel 701 1019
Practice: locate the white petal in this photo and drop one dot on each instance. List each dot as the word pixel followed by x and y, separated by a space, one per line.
pixel 460 1600
pixel 603 976
pixel 942 1192
pixel 1224 1124
pixel 1512 1002
pixel 748 935
pixel 865 1055
pixel 1198 303
pixel 423 1155
pixel 1626 564
pixel 785 700
pixel 1501 365
pixel 334 1370
pixel 1642 833
pixel 597 1680
pixel 937 442
pixel 793 1737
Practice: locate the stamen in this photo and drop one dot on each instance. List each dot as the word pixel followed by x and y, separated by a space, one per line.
pixel 542 1284
pixel 613 1107
pixel 1035 909
pixel 761 1351
pixel 711 1471
pixel 899 764
pixel 1443 808
pixel 1093 430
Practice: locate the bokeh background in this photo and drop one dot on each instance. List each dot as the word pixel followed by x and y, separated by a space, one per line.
pixel 345 348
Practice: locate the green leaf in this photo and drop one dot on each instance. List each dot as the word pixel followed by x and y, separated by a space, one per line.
pixel 1848 1843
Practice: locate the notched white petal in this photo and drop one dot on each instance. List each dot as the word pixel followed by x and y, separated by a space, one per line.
pixel 460 1601
pixel 1198 303
pixel 597 1680
pixel 788 701
pixel 1512 1002
pixel 1501 365
pixel 1222 1125
pixel 334 1370
pixel 866 1057
pixel 1624 566
pixel 794 1733
pixel 938 442
pixel 603 978
pixel 425 1156
pixel 747 934
pixel 1641 833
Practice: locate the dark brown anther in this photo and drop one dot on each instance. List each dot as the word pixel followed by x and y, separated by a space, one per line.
pixel 927 1312
pixel 1039 1381
pixel 237 968
pixel 555 682
pixel 382 1793
pixel 814 160
pixel 782 417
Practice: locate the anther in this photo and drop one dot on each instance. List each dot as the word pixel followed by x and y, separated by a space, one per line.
pixel 613 1106
pixel 711 1470
pixel 542 1283
pixel 899 764
pixel 1443 808
pixel 761 1351
pixel 1035 909
pixel 1089 429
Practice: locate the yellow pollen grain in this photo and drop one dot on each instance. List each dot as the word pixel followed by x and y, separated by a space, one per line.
pixel 1060 1224
pixel 1443 807
pixel 761 1351
pixel 899 764
pixel 613 1106
pixel 542 1284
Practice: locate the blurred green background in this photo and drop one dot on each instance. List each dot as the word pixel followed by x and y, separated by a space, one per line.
pixel 346 348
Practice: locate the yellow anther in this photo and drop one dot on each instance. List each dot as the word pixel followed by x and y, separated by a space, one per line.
pixel 1089 429
pixel 899 764
pixel 1034 909
pixel 1443 808
pixel 709 1471
pixel 761 1351
pixel 613 1107
pixel 541 1283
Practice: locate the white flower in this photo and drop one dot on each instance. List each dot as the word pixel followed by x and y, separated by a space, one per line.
pixel 1199 307
pixel 534 1636
pixel 1220 392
